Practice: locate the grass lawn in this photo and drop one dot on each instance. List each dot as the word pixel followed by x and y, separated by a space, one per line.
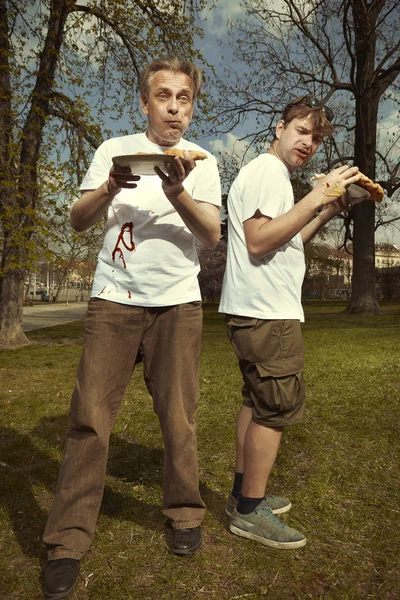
pixel 341 469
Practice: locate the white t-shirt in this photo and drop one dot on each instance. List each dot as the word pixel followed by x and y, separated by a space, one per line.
pixel 269 288
pixel 148 256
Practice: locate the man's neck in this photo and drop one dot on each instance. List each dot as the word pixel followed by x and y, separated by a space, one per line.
pixel 271 150
pixel 161 142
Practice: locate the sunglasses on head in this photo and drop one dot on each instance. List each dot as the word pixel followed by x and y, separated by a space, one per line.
pixel 313 102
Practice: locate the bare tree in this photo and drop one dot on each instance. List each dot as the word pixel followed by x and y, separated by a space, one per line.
pixel 69 251
pixel 346 52
pixel 68 72
pixel 212 263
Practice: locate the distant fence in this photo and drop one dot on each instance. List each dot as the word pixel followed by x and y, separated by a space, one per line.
pixel 329 294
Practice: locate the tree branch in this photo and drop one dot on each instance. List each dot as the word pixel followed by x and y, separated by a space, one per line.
pixel 99 14
pixel 79 124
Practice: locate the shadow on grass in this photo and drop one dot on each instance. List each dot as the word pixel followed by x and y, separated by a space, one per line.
pixel 28 468
pixel 139 465
pixel 25 466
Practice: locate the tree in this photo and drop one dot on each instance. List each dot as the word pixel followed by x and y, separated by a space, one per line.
pixel 389 281
pixel 212 264
pixel 68 72
pixel 69 251
pixel 343 51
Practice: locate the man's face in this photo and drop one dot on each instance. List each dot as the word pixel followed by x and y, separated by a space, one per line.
pixel 169 107
pixel 296 143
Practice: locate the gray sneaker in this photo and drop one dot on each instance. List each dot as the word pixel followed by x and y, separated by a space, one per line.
pixel 277 504
pixel 264 527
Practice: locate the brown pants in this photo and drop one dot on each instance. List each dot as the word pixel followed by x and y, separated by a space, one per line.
pixel 168 339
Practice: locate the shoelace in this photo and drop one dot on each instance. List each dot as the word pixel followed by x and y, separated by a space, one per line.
pixel 268 496
pixel 267 512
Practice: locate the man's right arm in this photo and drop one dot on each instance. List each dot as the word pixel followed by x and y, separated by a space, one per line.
pixel 92 205
pixel 265 235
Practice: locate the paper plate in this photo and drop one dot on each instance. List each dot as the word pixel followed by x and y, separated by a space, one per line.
pixel 355 192
pixel 143 164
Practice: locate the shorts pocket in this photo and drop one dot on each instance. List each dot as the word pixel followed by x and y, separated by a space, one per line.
pixel 240 331
pixel 279 400
pixel 282 367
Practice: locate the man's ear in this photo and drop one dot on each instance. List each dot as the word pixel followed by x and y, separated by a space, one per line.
pixel 144 105
pixel 279 128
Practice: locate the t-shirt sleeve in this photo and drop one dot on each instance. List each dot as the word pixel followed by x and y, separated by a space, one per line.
pixel 208 186
pixel 260 190
pixel 99 168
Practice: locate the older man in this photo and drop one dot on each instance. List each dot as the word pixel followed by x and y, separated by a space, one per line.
pixel 262 299
pixel 145 302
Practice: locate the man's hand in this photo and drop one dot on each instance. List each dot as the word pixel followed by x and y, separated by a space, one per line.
pixel 200 217
pixel 177 171
pixel 121 177
pixel 334 185
pixel 341 204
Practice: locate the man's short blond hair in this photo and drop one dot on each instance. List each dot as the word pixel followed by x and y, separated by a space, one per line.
pixel 174 64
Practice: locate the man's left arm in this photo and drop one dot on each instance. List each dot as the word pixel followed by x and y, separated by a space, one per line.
pixel 200 217
pixel 328 212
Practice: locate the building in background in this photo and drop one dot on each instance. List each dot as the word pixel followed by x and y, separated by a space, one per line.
pixel 329 271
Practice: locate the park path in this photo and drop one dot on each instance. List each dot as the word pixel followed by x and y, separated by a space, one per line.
pixel 43 315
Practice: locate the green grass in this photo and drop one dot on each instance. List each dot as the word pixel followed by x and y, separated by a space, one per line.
pixel 340 469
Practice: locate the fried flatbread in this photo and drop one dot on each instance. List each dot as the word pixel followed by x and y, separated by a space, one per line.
pixel 374 189
pixel 195 154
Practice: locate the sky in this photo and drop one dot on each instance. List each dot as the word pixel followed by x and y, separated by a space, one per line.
pixel 215 28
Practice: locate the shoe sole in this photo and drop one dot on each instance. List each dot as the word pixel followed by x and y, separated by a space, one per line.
pixel 267 542
pixel 185 551
pixel 275 511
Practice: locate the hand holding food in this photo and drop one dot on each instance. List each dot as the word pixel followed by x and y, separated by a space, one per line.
pixel 374 190
pixel 176 171
pixel 335 183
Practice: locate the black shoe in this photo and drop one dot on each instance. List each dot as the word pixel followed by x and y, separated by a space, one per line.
pixel 186 541
pixel 60 577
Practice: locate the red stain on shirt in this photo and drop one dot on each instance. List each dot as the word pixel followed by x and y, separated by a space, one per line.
pixel 129 294
pixel 127 227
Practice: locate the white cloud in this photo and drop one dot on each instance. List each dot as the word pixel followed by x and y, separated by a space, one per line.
pixel 231 146
pixel 217 17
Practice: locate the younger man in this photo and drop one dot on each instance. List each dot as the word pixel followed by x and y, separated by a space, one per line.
pixel 261 296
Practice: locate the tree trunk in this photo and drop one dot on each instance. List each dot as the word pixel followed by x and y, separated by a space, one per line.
pixel 17 217
pixel 363 296
pixel 12 286
pixel 11 300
